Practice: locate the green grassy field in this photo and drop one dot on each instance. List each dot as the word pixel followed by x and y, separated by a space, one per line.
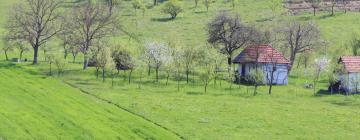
pixel 36 106
pixel 292 112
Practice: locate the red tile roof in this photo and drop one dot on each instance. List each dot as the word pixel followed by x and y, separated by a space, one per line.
pixel 265 53
pixel 351 63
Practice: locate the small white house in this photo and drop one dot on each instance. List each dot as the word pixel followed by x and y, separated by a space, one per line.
pixel 268 59
pixel 350 81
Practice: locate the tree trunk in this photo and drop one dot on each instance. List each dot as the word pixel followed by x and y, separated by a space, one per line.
pixel 178 81
pixel 86 62
pixel 255 89
pixel 97 72
pixel 206 84
pixel 6 56
pixel 167 78
pixel 103 75
pixel 149 69
pixel 314 10
pixel 50 70
pixel 74 58
pixel 187 76
pixel 21 54
pixel 157 74
pixel 292 59
pixel 272 79
pixel 332 10
pixel 36 51
pixel 130 75
pixel 155 2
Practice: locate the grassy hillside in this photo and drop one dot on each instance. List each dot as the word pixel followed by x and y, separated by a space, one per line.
pixel 37 107
pixel 189 28
pixel 291 112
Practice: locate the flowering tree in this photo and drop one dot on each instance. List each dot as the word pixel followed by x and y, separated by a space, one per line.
pixel 158 54
pixel 320 66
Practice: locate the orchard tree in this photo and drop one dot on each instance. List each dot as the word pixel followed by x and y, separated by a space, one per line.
pixel 207 4
pixel 333 4
pixel 123 61
pixel 314 4
pixel 103 59
pixel 138 4
pixel 320 66
pixel 229 32
pixel 300 38
pixel 91 22
pixel 22 48
pixel 60 65
pixel 208 67
pixel 172 7
pixel 35 21
pixel 6 47
pixel 256 77
pixel 274 5
pixel 51 59
pixel 189 56
pixel 159 53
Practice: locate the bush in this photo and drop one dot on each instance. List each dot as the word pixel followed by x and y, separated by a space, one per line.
pixel 172 7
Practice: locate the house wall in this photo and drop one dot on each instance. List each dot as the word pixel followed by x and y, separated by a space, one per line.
pixel 351 82
pixel 280 75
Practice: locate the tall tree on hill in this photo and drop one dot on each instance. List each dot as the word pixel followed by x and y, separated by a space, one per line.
pixel 91 22
pixel 35 21
pixel 231 33
pixel 300 38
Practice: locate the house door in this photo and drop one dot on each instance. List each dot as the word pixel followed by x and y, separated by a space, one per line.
pixel 243 70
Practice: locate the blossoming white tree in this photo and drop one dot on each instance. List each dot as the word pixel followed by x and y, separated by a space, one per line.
pixel 320 66
pixel 158 53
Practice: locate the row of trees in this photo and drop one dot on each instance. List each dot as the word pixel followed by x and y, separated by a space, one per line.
pixel 315 4
pixel 80 29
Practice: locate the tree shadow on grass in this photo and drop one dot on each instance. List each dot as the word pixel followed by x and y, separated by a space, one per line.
pixel 162 19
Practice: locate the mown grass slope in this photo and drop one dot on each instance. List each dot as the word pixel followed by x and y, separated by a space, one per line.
pixel 291 112
pixel 37 107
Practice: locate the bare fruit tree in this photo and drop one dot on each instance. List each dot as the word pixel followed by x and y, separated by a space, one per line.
pixel 300 38
pixel 91 22
pixel 35 21
pixel 230 32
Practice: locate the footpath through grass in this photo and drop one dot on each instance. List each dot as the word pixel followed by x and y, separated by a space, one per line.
pixel 34 106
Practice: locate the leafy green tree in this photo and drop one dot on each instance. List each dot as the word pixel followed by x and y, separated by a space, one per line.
pixel 172 7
